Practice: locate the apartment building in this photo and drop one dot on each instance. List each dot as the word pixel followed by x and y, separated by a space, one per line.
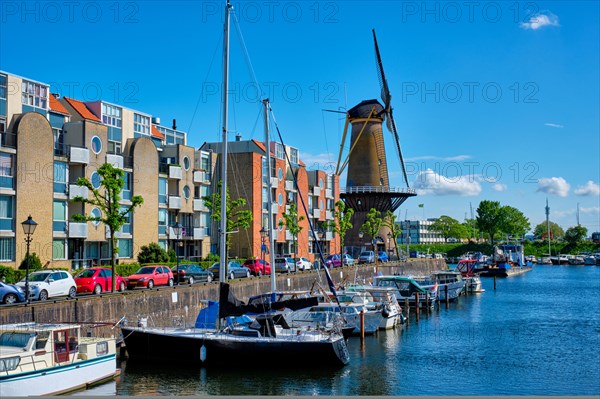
pixel 418 232
pixel 249 177
pixel 48 142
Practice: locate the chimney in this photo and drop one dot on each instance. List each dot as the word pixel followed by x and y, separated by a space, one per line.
pixel 174 124
pixel 238 137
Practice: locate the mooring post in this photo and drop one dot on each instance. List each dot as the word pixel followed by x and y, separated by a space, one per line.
pixel 417 305
pixel 446 293
pixel 362 325
pixel 494 283
pixel 427 301
pixel 406 309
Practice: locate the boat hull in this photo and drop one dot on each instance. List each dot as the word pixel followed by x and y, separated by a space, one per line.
pixel 503 271
pixel 218 349
pixel 59 379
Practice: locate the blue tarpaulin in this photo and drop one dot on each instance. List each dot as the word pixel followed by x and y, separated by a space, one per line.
pixel 207 318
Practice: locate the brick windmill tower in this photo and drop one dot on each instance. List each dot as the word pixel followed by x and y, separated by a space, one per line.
pixel 367 182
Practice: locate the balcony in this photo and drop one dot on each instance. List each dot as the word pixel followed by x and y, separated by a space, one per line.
pixel 77 191
pixel 274 182
pixel 78 230
pixel 199 205
pixel 200 176
pixel 317 191
pixel 329 193
pixel 174 202
pixel 274 208
pixel 79 155
pixel 175 172
pixel 328 236
pixel 329 215
pixel 289 185
pixel 200 233
pixel 115 160
pixel 289 236
pixel 316 213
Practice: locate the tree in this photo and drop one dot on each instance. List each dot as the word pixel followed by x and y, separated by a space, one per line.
pixel 152 253
pixel 448 227
pixel 341 223
pixel 372 225
pixel 471 230
pixel 575 235
pixel 106 198
pixel 236 217
pixel 34 262
pixel 292 223
pixel 513 222
pixel 541 231
pixel 488 218
pixel 389 221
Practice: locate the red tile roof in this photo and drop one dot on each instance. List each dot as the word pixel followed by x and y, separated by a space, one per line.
pixel 156 133
pixel 56 106
pixel 82 109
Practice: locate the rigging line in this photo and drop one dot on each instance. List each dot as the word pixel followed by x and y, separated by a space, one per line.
pixel 259 114
pixel 310 224
pixel 247 57
pixel 204 82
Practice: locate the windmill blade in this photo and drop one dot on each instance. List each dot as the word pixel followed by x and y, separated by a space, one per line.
pixel 385 91
pixel 392 126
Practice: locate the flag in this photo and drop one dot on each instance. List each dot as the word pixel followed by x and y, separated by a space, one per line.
pixel 421 205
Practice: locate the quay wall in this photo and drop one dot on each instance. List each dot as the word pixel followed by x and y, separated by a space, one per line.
pixel 179 306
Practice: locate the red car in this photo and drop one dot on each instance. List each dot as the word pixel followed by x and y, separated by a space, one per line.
pixel 97 280
pixel 149 276
pixel 258 267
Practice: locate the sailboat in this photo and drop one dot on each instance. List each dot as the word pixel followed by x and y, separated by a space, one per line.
pixel 268 339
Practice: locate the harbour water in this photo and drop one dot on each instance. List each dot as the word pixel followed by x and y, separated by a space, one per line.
pixel 537 334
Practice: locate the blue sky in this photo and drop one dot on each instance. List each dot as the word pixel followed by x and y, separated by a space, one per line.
pixel 493 100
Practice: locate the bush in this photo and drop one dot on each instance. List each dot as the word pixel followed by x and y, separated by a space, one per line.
pixel 212 258
pixel 10 275
pixel 34 263
pixel 152 253
pixel 127 269
pixel 172 256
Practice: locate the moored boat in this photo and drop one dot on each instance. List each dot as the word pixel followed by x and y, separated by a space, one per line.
pixel 507 260
pixel 446 280
pixel 49 359
pixel 406 288
pixel 466 268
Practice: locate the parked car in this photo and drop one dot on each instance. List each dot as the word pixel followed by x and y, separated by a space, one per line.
pixel 366 257
pixel 347 260
pixel 190 273
pixel 234 270
pixel 303 264
pixel 285 265
pixel 333 261
pixel 10 293
pixel 150 276
pixel 44 284
pixel 382 256
pixel 258 267
pixel 97 280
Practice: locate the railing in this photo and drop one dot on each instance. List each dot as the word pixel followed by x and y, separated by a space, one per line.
pixel 376 189
pixel 163 168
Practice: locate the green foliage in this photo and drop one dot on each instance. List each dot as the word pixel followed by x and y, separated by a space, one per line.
pixel 389 221
pixel 513 222
pixel 172 255
pixel 471 230
pixel 488 218
pixel 10 275
pixel 292 223
pixel 575 235
pixel 127 269
pixel 541 231
pixel 152 253
pixel 236 217
pixel 372 225
pixel 493 219
pixel 212 258
pixel 34 263
pixel 341 223
pixel 448 227
pixel 106 198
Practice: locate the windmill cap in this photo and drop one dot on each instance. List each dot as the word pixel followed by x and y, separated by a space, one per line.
pixel 363 109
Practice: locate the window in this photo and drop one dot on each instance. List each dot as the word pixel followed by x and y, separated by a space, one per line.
pixel 280 174
pixel 96 145
pixel 162 190
pixel 127 226
pixel 7 249
pixel 6 213
pixel 280 224
pixel 59 142
pixel 111 115
pixel 293 155
pixel 60 177
pixel 264 198
pixel 3 90
pixel 141 125
pixel 126 193
pixel 34 95
pixel 279 153
pixel 95 180
pixel 59 249
pixel 320 183
pixel 280 199
pixel 162 221
pixel 96 214
pixel 60 217
pixel 265 171
pixel 186 163
pixel 205 163
pixel 186 192
pixel 172 136
pixel 125 248
pixel 6 171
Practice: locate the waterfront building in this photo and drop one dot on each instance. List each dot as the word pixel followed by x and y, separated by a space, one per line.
pixel 418 232
pixel 47 142
pixel 248 177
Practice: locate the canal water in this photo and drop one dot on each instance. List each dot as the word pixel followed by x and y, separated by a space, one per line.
pixel 536 334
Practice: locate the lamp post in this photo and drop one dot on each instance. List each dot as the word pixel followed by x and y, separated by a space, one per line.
pixel 28 228
pixel 407 239
pixel 263 247
pixel 177 229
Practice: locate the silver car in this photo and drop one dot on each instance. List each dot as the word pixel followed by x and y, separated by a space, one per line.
pixel 285 265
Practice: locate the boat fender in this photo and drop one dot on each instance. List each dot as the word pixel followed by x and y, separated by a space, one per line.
pixel 203 353
pixel 385 312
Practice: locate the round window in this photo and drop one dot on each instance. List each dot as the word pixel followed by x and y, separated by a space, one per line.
pixel 186 192
pixel 95 180
pixel 186 163
pixel 96 145
pixel 321 183
pixel 280 199
pixel 321 204
pixel 280 174
pixel 96 214
pixel 280 224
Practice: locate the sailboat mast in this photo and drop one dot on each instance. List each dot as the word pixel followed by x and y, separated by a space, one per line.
pixel 223 225
pixel 269 195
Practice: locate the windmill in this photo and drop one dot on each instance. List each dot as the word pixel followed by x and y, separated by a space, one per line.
pixel 367 182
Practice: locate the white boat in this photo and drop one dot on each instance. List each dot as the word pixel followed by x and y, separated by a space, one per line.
pixel 406 288
pixel 593 259
pixel 50 359
pixel 381 299
pixel 443 278
pixel 472 280
pixel 351 312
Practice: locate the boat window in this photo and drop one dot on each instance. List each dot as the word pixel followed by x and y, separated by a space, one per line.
pixel 15 339
pixel 73 344
pixel 61 354
pixel 42 339
pixel 102 348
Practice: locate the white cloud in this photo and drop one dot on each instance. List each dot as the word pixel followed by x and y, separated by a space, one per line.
pixel 555 125
pixel 593 209
pixel 554 186
pixel 499 187
pixel 436 158
pixel 429 182
pixel 540 20
pixel 324 161
pixel 590 188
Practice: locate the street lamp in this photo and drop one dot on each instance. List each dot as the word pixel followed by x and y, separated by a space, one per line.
pixel 177 229
pixel 28 228
pixel 263 247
